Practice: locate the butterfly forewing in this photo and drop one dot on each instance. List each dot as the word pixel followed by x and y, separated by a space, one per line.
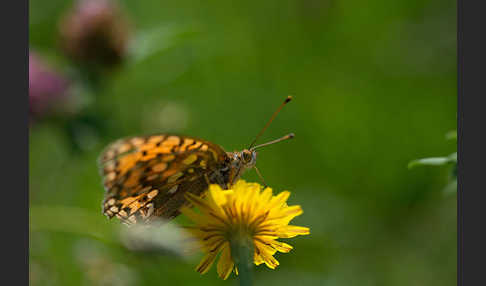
pixel 147 177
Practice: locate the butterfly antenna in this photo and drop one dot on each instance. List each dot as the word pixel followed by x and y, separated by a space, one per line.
pixel 286 137
pixel 289 98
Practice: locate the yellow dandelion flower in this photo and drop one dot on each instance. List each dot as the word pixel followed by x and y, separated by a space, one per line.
pixel 243 212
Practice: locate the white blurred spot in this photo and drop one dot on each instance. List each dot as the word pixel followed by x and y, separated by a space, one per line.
pixel 160 237
pixel 165 117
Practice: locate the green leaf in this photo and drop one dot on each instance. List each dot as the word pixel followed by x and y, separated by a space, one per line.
pixel 433 161
pixel 71 220
pixel 453 157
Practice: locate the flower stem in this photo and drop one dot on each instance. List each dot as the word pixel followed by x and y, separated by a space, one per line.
pixel 242 250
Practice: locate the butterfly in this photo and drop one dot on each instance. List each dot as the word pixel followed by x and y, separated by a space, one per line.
pixel 148 177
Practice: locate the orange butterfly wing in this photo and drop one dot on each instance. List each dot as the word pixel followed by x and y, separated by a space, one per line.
pixel 147 177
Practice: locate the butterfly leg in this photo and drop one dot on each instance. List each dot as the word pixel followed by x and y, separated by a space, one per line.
pixel 261 177
pixel 207 179
pixel 218 178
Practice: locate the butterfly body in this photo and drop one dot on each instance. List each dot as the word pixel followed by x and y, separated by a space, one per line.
pixel 148 177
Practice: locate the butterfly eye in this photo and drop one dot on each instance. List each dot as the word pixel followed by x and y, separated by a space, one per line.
pixel 246 156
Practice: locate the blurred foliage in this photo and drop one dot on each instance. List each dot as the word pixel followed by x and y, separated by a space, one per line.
pixel 442 161
pixel 374 85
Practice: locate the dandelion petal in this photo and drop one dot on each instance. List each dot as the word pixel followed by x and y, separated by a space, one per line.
pixel 225 263
pixel 206 263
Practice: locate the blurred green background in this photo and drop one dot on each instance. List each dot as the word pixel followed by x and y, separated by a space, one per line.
pixel 374 86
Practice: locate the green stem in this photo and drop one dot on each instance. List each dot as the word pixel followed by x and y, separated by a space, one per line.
pixel 242 250
pixel 71 220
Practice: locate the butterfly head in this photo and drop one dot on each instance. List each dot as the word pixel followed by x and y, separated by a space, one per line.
pixel 240 162
pixel 246 159
pixel 243 160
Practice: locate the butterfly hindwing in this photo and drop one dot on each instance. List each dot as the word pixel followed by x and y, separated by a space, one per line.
pixel 147 177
